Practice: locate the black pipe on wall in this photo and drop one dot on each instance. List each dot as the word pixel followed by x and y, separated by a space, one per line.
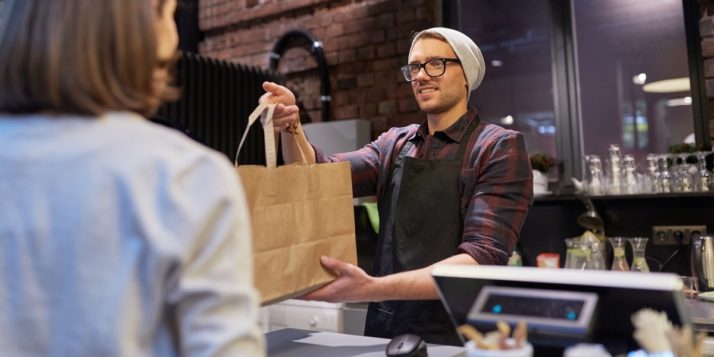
pixel 297 38
pixel 186 18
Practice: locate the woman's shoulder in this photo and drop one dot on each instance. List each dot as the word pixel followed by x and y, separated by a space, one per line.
pixel 137 140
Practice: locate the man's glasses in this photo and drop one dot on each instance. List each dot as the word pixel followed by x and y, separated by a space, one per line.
pixel 433 68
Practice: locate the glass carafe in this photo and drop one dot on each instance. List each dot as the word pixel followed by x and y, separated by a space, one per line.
pixel 619 261
pixel 577 254
pixel 639 262
pixel 596 260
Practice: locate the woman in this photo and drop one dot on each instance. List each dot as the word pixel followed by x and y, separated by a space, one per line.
pixel 117 237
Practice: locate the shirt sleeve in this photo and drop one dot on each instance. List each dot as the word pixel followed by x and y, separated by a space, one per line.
pixel 500 201
pixel 364 164
pixel 212 293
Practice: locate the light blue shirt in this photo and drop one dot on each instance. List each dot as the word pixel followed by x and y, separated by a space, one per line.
pixel 119 237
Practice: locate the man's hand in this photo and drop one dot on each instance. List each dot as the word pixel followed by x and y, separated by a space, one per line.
pixel 352 283
pixel 286 112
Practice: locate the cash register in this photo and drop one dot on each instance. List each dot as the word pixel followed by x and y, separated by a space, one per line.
pixel 561 306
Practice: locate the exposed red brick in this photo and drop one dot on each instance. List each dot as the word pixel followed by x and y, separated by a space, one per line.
pixel 406 14
pixel 386 50
pixel 379 125
pixel 389 64
pixel 709 67
pixel 384 7
pixel 407 105
pixel 365 80
pixel 347 55
pixel 367 110
pixel 334 30
pixel 366 52
pixel 346 112
pixel 365 42
pixel 387 107
pixel 376 94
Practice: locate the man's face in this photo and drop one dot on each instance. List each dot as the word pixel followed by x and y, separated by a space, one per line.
pixel 436 95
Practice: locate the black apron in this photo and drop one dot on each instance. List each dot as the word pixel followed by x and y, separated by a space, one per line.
pixel 425 227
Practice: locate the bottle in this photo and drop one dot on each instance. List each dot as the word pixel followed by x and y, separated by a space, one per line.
pixel 515 259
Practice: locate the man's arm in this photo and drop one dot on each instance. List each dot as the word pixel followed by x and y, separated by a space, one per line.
pixel 502 192
pixel 354 285
pixel 286 122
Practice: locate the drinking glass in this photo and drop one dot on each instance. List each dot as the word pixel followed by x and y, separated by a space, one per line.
pixel 691 286
pixel 630 181
pixel 651 185
pixel 596 259
pixel 683 181
pixel 639 262
pixel 614 169
pixel 619 261
pixel 664 182
pixel 704 176
pixel 595 178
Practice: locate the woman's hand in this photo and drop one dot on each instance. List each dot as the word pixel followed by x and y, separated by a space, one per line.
pixel 286 112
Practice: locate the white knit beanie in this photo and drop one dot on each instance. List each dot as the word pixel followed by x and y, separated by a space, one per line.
pixel 466 50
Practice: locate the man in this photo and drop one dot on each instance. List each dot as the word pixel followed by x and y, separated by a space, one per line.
pixel 451 190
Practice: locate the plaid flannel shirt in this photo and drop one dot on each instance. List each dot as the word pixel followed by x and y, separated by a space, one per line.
pixel 496 179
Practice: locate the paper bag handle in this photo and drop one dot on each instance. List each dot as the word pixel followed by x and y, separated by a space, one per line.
pixel 268 132
pixel 267 121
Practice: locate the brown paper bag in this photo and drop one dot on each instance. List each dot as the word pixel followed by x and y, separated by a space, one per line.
pixel 298 213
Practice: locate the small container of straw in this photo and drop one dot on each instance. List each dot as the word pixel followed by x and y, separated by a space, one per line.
pixel 497 343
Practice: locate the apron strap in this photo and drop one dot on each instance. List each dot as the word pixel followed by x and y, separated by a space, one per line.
pixel 467 135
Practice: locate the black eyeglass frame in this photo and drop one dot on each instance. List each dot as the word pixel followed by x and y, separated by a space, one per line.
pixel 409 68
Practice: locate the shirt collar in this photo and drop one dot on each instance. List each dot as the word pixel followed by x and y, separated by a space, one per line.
pixel 455 132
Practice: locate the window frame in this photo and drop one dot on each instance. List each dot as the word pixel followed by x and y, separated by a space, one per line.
pixel 567 110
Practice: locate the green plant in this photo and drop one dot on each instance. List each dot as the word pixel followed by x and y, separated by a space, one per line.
pixel 682 148
pixel 542 162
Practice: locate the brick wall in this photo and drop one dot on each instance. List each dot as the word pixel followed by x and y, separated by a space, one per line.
pixel 365 43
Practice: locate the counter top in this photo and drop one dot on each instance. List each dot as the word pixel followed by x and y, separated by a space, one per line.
pixel 299 343
pixel 702 314
pixel 569 196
